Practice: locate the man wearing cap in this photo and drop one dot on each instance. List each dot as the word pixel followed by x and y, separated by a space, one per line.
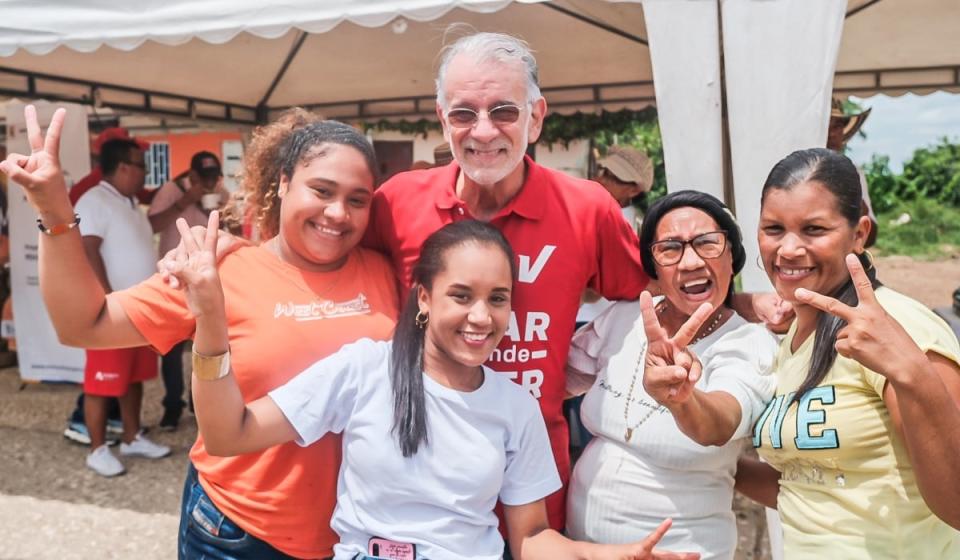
pixel 627 174
pixel 842 128
pixel 119 244
pixel 192 196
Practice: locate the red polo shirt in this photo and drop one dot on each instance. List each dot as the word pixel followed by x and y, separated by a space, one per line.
pixel 567 233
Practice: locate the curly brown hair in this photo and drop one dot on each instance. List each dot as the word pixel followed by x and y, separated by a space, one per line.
pixel 260 178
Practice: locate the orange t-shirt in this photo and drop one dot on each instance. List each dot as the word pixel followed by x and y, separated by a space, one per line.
pixel 281 319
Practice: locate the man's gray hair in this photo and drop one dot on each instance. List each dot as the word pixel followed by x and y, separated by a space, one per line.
pixel 490 47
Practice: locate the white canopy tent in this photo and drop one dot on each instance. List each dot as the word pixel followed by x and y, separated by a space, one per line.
pixel 739 83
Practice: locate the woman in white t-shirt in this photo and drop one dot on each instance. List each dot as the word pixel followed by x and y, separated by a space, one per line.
pixel 431 438
pixel 665 445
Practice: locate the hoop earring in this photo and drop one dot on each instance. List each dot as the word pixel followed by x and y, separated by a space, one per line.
pixel 760 263
pixel 421 320
pixel 869 256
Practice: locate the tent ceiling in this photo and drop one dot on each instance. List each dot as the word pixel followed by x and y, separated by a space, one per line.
pixel 352 64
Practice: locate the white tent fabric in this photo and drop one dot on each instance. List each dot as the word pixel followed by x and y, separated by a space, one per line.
pixel 686 35
pixel 232 51
pixel 777 102
pixel 40 26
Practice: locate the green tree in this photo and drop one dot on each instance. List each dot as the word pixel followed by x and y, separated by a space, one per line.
pixel 884 184
pixel 933 173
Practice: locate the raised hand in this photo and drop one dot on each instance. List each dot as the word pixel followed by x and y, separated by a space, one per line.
pixel 195 268
pixel 226 244
pixel 774 311
pixel 644 550
pixel 871 336
pixel 670 370
pixel 39 172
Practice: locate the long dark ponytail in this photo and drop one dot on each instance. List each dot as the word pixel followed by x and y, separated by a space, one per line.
pixel 406 362
pixel 839 176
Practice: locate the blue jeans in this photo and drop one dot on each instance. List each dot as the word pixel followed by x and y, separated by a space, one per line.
pixel 207 534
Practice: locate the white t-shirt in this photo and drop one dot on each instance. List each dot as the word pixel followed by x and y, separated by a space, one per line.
pixel 127 249
pixel 662 471
pixel 483 445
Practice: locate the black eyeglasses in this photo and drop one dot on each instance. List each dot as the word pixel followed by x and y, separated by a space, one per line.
pixel 463 117
pixel 708 245
pixel 140 164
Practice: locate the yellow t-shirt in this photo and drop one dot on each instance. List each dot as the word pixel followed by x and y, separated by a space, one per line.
pixel 847 488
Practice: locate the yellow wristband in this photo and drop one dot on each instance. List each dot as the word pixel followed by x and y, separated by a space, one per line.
pixel 211 368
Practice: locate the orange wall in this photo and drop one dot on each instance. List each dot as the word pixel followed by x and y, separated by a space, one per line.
pixel 184 145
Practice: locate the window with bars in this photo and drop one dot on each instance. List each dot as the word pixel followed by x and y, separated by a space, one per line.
pixel 157 159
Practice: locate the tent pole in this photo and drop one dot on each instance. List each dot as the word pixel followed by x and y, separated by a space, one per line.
pixel 727 178
pixel 262 109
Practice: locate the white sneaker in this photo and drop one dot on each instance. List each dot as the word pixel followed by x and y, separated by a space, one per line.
pixel 102 462
pixel 143 447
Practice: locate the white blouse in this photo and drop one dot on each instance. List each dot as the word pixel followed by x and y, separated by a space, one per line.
pixel 621 490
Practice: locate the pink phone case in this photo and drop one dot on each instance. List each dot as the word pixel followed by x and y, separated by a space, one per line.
pixel 391 550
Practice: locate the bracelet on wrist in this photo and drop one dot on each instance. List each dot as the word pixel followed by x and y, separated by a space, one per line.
pixel 58 229
pixel 211 368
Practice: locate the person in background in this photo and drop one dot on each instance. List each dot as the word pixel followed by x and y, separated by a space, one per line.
pixel 118 242
pixel 191 196
pixel 76 430
pixel 843 126
pixel 627 174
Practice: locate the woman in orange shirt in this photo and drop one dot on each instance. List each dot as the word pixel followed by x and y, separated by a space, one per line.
pixel 298 297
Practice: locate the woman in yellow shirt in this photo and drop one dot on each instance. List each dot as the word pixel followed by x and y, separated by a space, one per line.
pixel 864 429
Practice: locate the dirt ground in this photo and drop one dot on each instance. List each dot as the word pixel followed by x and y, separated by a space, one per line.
pixel 51 506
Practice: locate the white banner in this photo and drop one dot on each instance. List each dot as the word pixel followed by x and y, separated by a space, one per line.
pixel 779 59
pixel 41 356
pixel 685 52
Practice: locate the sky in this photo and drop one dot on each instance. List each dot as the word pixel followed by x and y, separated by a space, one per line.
pixel 899 125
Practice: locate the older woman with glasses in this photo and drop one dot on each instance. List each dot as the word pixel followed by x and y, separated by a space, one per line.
pixel 667 441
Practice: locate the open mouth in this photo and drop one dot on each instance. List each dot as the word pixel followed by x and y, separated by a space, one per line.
pixel 696 287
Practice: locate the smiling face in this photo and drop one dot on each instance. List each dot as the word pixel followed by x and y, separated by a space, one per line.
pixel 804 239
pixel 694 279
pixel 325 207
pixel 468 307
pixel 489 152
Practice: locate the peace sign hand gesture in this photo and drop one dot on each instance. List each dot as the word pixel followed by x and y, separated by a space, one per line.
pixel 195 267
pixel 39 173
pixel 670 370
pixel 871 336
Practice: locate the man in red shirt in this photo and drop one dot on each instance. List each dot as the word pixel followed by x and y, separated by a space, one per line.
pixel 568 233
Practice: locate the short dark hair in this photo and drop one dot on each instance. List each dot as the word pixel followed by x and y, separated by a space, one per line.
pixel 708 204
pixel 114 152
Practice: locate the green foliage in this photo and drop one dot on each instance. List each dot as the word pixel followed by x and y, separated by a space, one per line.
pixel 562 129
pixel 933 230
pixel 933 173
pixel 422 127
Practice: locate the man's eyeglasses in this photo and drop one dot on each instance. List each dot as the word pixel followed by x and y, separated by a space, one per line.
pixel 141 164
pixel 708 245
pixel 463 117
